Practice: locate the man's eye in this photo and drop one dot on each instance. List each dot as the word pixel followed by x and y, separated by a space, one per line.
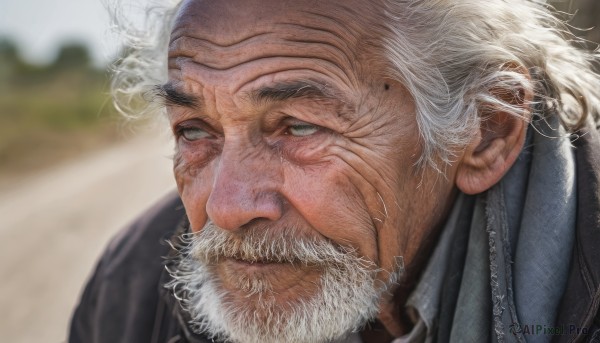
pixel 193 133
pixel 301 130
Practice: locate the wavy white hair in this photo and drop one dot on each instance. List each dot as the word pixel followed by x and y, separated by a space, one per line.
pixel 454 57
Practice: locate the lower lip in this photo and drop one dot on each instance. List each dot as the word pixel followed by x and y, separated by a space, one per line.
pixel 281 276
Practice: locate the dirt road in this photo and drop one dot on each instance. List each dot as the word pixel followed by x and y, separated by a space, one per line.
pixel 53 227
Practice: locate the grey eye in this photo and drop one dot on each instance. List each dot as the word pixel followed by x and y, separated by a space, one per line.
pixel 193 133
pixel 302 130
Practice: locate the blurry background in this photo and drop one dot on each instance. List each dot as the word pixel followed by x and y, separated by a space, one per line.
pixel 71 171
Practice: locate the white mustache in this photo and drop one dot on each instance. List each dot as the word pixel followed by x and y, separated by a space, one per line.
pixel 268 245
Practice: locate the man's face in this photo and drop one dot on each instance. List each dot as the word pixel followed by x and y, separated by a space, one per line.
pixel 285 123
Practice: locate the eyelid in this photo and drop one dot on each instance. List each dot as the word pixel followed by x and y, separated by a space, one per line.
pixel 194 123
pixel 292 122
pixel 305 130
pixel 192 118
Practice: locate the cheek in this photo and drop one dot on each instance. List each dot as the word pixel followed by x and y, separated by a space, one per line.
pixel 360 198
pixel 332 205
pixel 305 151
pixel 193 184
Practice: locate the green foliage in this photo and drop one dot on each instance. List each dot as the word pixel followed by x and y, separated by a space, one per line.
pixel 9 52
pixel 51 112
pixel 72 56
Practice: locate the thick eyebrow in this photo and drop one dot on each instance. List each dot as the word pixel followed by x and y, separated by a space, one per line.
pixel 291 90
pixel 172 96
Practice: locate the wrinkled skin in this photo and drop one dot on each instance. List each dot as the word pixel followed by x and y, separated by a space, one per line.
pixel 334 157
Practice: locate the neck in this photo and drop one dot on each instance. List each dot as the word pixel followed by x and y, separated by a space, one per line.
pixel 392 314
pixel 392 311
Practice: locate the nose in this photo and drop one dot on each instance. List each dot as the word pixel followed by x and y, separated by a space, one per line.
pixel 244 189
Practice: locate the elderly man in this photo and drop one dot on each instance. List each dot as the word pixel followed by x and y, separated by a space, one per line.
pixel 362 171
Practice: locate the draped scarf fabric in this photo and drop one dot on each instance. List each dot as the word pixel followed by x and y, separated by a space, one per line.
pixel 502 261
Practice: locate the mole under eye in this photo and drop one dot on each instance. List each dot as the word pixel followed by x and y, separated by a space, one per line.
pixel 302 130
pixel 192 133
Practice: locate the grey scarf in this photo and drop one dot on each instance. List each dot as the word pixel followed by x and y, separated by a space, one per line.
pixel 501 265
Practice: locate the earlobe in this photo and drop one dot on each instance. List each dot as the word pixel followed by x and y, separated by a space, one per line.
pixel 490 155
pixel 496 145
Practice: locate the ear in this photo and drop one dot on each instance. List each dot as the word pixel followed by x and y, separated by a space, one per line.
pixel 497 144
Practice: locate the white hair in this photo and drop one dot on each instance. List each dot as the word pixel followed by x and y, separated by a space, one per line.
pixel 454 56
pixel 143 64
pixel 347 294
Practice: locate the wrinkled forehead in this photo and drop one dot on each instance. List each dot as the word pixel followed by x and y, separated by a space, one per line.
pixel 227 22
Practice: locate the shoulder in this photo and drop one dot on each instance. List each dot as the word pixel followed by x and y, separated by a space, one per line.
pixel 145 237
pixel 580 305
pixel 119 302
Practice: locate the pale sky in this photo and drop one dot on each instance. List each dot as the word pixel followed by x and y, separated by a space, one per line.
pixel 40 26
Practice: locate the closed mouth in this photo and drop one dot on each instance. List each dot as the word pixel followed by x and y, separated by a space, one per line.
pixel 256 262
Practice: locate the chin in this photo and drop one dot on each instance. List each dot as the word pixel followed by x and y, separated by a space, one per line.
pixel 318 294
pixel 282 280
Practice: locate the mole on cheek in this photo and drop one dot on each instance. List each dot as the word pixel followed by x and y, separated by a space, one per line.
pixel 386 86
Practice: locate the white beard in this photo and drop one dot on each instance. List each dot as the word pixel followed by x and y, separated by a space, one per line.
pixel 347 297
